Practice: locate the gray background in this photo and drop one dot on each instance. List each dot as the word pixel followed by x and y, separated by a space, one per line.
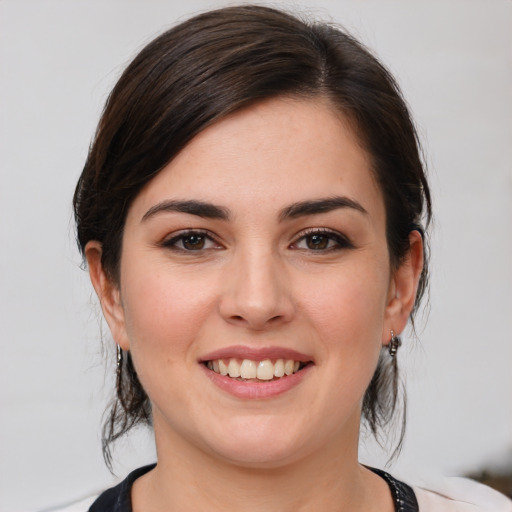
pixel 58 60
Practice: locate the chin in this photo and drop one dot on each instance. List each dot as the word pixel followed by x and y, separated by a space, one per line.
pixel 258 455
pixel 258 443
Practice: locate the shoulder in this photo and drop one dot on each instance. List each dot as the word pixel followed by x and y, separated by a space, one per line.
pixel 118 498
pixel 460 495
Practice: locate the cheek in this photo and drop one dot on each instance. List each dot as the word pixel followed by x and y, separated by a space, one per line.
pixel 348 306
pixel 163 313
pixel 347 313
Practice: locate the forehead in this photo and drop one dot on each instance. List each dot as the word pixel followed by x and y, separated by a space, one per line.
pixel 278 151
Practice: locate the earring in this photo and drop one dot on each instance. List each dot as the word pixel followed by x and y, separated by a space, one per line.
pixel 119 360
pixel 394 344
pixel 119 368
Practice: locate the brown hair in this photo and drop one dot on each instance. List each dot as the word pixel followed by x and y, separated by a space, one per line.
pixel 208 67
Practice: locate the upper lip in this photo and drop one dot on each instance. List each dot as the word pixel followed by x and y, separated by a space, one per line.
pixel 255 354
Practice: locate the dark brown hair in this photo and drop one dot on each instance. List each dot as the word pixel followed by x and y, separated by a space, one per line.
pixel 208 67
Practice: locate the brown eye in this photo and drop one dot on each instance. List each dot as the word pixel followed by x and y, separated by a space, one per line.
pixel 322 241
pixel 193 242
pixel 317 242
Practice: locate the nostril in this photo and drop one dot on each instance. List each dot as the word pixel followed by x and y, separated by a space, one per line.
pixel 241 318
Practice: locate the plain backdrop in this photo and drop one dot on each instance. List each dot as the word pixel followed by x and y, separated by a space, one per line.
pixel 58 60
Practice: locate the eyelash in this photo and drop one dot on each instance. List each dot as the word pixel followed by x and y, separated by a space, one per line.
pixel 172 243
pixel 340 241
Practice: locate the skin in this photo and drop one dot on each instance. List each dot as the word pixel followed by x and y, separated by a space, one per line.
pixel 258 281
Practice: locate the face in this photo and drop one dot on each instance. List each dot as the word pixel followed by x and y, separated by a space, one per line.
pixel 255 287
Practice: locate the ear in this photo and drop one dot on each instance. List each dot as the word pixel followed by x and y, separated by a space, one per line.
pixel 108 293
pixel 403 287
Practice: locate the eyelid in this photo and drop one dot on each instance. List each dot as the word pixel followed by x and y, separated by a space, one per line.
pixel 343 242
pixel 171 240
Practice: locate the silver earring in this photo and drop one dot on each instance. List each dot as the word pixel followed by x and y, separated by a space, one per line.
pixel 119 360
pixel 119 369
pixel 394 344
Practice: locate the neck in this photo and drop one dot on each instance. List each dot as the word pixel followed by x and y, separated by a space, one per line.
pixel 188 479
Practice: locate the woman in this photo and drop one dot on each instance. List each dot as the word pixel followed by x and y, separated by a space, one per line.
pixel 252 213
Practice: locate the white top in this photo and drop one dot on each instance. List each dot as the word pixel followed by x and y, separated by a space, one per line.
pixel 460 495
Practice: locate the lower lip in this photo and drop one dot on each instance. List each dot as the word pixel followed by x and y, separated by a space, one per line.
pixel 257 390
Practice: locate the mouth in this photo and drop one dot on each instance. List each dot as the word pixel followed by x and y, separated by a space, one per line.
pixel 254 370
pixel 261 373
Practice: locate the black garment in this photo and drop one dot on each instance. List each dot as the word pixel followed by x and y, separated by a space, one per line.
pixel 118 498
pixel 403 496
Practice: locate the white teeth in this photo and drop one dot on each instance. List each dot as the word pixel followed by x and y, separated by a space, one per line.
pixel 265 370
pixel 249 369
pixel 223 369
pixel 233 368
pixel 288 367
pixel 279 368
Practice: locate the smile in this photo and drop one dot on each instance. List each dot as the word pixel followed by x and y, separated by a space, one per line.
pixel 254 370
pixel 256 373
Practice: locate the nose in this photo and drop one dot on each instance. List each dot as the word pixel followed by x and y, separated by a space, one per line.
pixel 256 292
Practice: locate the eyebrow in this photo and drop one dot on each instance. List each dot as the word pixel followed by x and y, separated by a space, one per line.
pixel 317 206
pixel 199 208
pixel 211 211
